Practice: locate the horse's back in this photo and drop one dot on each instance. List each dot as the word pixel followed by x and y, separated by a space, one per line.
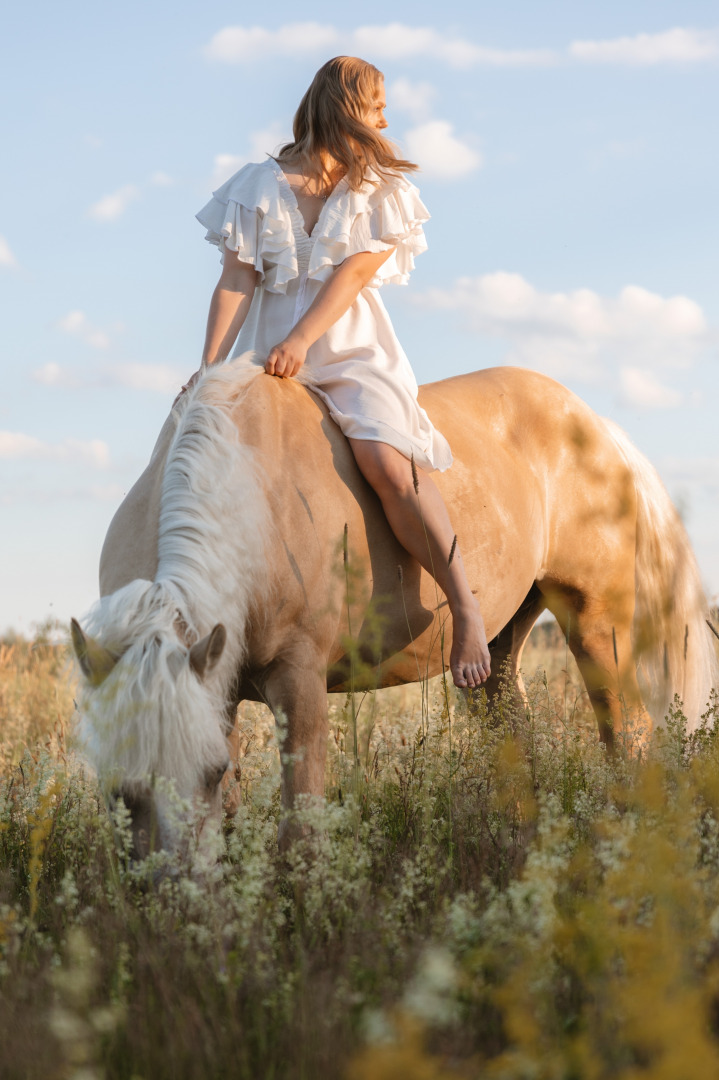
pixel 516 437
pixel 511 406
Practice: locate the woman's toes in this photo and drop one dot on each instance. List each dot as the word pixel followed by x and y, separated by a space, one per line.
pixel 470 676
pixel 458 677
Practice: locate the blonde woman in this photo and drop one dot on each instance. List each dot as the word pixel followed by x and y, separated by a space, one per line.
pixel 307 237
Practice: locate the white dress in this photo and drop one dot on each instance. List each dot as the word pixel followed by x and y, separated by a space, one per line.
pixel 358 367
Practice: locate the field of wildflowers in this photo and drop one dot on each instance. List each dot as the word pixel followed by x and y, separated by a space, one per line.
pixel 484 894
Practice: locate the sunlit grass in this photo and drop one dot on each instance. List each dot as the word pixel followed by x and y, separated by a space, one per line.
pixel 521 905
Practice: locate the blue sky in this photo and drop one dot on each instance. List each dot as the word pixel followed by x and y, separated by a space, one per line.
pixel 569 162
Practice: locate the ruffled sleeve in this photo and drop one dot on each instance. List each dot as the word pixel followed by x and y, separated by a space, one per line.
pixel 376 218
pixel 247 215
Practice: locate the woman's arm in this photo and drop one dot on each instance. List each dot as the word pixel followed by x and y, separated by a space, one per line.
pixel 228 308
pixel 334 298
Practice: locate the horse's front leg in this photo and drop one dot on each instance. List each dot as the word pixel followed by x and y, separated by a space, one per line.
pixel 295 688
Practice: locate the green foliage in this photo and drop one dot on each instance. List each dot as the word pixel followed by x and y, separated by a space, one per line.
pixel 511 903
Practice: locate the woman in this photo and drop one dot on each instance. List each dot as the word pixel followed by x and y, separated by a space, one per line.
pixel 307 237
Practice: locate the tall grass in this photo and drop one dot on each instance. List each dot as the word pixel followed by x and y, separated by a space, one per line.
pixel 568 926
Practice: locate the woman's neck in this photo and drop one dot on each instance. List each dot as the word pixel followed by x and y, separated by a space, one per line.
pixel 320 182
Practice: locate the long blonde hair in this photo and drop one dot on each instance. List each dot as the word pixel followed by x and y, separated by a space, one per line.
pixel 330 124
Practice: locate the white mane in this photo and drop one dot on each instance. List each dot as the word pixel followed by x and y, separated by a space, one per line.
pixel 152 715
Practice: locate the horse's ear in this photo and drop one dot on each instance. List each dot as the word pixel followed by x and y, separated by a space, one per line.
pixel 95 660
pixel 205 654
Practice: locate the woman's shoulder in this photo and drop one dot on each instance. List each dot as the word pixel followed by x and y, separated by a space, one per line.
pixel 247 215
pixel 253 180
pixel 385 212
pixel 378 186
pixel 383 194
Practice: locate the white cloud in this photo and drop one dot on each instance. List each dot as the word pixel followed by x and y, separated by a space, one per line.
pixel 161 179
pixel 677 46
pixel 235 44
pixel 431 143
pixel 14 445
pixel 6 256
pixel 111 207
pixel 392 41
pixel 413 98
pixel 156 378
pixel 439 152
pixel 640 388
pixel 51 374
pixel 77 324
pixel 261 143
pixel 579 334
pixel 396 41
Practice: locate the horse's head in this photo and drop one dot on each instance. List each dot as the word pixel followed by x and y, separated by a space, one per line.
pixel 153 723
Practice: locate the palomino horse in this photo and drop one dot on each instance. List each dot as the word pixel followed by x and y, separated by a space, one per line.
pixel 223 574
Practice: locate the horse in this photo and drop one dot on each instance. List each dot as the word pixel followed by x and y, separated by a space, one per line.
pixel 251 547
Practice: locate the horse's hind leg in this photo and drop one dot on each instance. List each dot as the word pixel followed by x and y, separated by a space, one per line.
pixel 506 648
pixel 599 633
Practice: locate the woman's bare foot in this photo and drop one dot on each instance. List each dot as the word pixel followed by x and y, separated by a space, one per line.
pixel 469 659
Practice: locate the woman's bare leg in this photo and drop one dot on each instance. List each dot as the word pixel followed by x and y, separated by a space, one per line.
pixel 421 524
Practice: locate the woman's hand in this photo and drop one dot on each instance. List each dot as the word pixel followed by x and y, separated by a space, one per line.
pixel 287 358
pixel 332 301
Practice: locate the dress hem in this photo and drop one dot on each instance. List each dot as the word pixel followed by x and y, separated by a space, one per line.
pixel 367 429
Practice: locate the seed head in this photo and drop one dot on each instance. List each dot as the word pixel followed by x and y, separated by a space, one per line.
pixel 415 478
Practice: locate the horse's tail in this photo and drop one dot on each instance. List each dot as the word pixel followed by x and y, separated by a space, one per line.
pixel 674 645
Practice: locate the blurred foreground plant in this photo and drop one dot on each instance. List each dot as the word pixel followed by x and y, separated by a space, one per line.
pixel 515 904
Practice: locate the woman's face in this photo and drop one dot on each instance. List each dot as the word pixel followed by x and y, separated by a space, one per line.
pixel 374 115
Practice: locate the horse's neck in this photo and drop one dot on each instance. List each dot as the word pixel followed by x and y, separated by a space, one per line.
pixel 212 521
